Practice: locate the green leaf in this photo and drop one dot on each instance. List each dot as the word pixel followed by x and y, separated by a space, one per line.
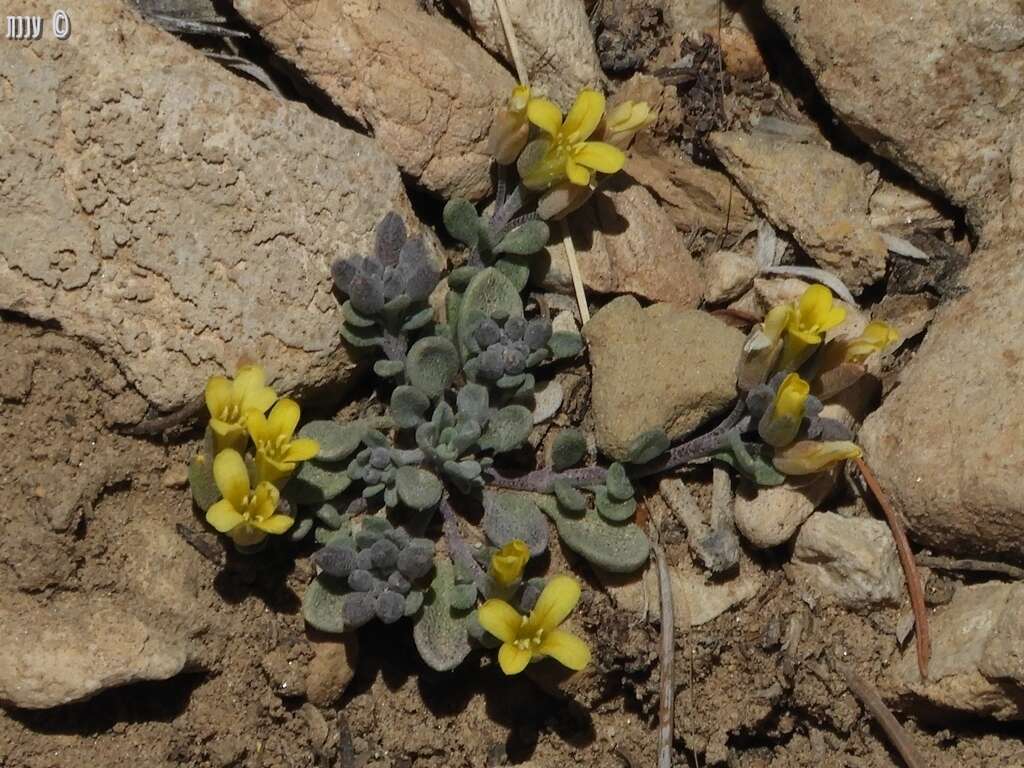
pixel 753 462
pixel 459 277
pixel 322 604
pixel 569 497
pixel 508 429
pixel 508 516
pixel 488 292
pixel 440 633
pixel 647 446
pixel 525 239
pixel 361 337
pixel 419 319
pixel 354 319
pixel 461 220
pixel 516 269
pixel 473 401
pixel 565 344
pixel 619 487
pixel 611 510
pixel 337 441
pixel 315 482
pixel 200 480
pixel 568 449
pixel 388 369
pixel 418 488
pixel 464 597
pixel 431 365
pixel 615 547
pixel 408 406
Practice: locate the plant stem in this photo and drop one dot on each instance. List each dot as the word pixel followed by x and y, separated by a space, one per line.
pixel 509 208
pixel 542 480
pixel 868 696
pixel 457 545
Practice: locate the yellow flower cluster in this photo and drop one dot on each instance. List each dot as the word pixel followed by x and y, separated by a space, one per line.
pixel 237 414
pixel 787 340
pixel 563 161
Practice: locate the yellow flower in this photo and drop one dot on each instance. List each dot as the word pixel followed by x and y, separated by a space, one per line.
pixel 761 350
pixel 568 154
pixel 811 317
pixel 230 402
pixel 528 638
pixel 247 516
pixel 508 562
pixel 781 422
pixel 809 456
pixel 510 128
pixel 876 337
pixel 625 120
pixel 276 450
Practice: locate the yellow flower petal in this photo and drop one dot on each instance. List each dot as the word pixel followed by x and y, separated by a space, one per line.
pixel 218 395
pixel 815 302
pixel 577 173
pixel 776 320
pixel 223 516
pixel 500 619
pixel 809 456
pixel 628 116
pixel 231 477
pixel 565 648
pixel 271 471
pixel 264 501
pixel 276 524
pixel 584 116
pixel 247 535
pixel 545 115
pixel 284 418
pixel 876 337
pixel 599 156
pixel 225 429
pixel 512 660
pixel 555 603
pixel 520 98
pixel 791 397
pixel 248 378
pixel 302 449
pixel 258 400
pixel 259 428
pixel 508 562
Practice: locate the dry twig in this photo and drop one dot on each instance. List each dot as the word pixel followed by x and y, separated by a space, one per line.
pixel 868 696
pixel 666 708
pixel 969 564
pixel 913 578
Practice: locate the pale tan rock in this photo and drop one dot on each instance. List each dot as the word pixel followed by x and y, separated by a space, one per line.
pixel 948 442
pixel 176 217
pixel 852 559
pixel 657 367
pixel 740 54
pixel 976 655
pixel 727 276
pixel 817 195
pixel 908 314
pixel 332 668
pixel 555 42
pixel 768 517
pixel 625 244
pixel 690 15
pixel 427 90
pixel 71 648
pixel 937 90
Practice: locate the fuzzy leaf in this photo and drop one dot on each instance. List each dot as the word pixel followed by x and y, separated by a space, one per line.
pixel 337 441
pixel 461 220
pixel 315 482
pixel 619 487
pixel 525 239
pixel 200 480
pixel 464 597
pixel 408 406
pixel 565 344
pixel 568 449
pixel 487 293
pixel 647 446
pixel 569 497
pixel 473 400
pixel 323 603
pixel 459 278
pixel 431 365
pixel 619 548
pixel 418 319
pixel 417 488
pixel 440 632
pixel 354 319
pixel 508 429
pixel 612 510
pixel 361 338
pixel 752 461
pixel 388 369
pixel 508 516
pixel 329 515
pixel 516 269
pixel 389 237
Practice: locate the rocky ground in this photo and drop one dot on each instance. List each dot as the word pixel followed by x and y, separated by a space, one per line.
pixel 877 140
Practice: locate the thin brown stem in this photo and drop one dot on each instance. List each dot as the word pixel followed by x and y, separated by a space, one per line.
pixel 969 564
pixel 910 572
pixel 868 696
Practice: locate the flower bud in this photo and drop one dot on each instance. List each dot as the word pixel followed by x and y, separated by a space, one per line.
pixel 507 563
pixel 809 456
pixel 562 199
pixel 510 128
pixel 762 348
pixel 624 121
pixel 781 422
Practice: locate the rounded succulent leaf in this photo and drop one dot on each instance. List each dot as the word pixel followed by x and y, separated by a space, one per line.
pixel 463 597
pixel 647 446
pixel 473 401
pixel 390 607
pixel 488 293
pixel 417 488
pixel 337 441
pixel 388 369
pixel 336 561
pixel 354 319
pixel 507 429
pixel 510 516
pixel 516 269
pixel 461 220
pixel 323 602
pixel 615 547
pixel 408 406
pixel 200 480
pixel 618 484
pixel 525 239
pixel 316 482
pixel 389 237
pixel 565 344
pixel 358 609
pixel 440 633
pixel 568 449
pixel 569 497
pixel 431 365
pixel 413 602
pixel 612 510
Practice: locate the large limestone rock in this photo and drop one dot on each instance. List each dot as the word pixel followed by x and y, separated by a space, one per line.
pixel 819 196
pixel 937 89
pixel 555 43
pixel 625 243
pixel 175 216
pixel 657 367
pixel 976 664
pixel 424 87
pixel 948 442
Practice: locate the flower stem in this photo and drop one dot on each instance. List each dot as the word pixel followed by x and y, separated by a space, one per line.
pixel 542 480
pixel 457 545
